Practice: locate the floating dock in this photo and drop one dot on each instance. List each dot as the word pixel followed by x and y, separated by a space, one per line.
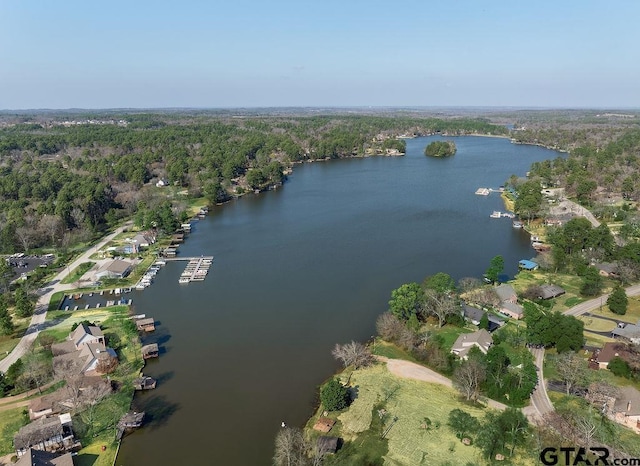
pixel 196 270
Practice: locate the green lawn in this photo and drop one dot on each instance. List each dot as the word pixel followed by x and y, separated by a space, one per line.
pixel 596 324
pixel 10 423
pixel 410 402
pixel 391 351
pixel 632 315
pixel 78 272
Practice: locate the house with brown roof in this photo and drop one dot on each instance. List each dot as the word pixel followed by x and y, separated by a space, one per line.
pixel 480 339
pixel 53 434
pixel 513 310
pixel 146 324
pixel 609 351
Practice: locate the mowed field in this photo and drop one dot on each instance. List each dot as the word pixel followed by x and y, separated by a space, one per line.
pixel 409 401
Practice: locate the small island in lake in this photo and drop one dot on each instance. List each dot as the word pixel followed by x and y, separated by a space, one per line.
pixel 440 149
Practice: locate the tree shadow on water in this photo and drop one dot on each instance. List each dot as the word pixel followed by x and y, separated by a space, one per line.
pixel 164 377
pixel 157 411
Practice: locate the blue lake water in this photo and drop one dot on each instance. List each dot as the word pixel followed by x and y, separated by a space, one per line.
pixel 297 270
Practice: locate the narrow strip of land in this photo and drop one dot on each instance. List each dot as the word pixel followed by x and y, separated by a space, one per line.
pixel 45 294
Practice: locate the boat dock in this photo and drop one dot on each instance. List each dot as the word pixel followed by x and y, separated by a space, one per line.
pixel 196 269
pixel 487 191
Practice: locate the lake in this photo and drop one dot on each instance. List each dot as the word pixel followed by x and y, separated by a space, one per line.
pixel 297 270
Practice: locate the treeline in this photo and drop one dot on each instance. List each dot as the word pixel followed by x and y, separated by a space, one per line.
pixel 60 185
pixel 613 167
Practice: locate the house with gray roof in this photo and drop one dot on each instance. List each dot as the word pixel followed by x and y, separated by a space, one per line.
pixel 33 457
pixel 549 291
pixel 114 269
pixel 506 293
pixel 513 310
pixel 626 408
pixel 629 332
pixel 83 351
pixel 480 339
pixel 51 434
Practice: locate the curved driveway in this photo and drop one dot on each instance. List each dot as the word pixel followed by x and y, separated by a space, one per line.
pixel 45 294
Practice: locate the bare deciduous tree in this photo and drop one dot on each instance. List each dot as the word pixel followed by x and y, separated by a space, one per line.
pixel 51 226
pixel 390 328
pixel 467 284
pixel 571 368
pixel 353 354
pixel 468 377
pixel 106 365
pixel 290 448
pixel 440 305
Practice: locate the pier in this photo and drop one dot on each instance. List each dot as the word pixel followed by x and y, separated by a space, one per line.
pixel 196 269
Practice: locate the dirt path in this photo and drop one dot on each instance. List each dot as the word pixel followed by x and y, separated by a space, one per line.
pixel 411 370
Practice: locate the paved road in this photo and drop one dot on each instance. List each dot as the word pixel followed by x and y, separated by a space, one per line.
pixel 540 402
pixel 40 314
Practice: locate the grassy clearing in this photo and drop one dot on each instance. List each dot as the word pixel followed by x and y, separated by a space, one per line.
pixel 78 272
pixel 632 315
pixel 593 339
pixel 8 342
pixel 596 324
pixel 56 300
pixel 450 334
pixel 10 423
pixel 570 283
pixel 410 402
pixel 391 351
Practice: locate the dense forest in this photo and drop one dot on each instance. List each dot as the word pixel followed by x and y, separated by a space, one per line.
pixel 65 178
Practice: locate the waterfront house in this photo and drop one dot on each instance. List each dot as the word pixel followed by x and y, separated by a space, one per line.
pixel 114 269
pixel 548 291
pixel 506 293
pixel 52 434
pixel 84 352
pixel 327 445
pixel 82 335
pixel 143 240
pixel 480 339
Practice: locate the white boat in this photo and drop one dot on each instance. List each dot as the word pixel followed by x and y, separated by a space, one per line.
pixel 496 214
pixel 183 280
pixel 160 263
pixel 517 224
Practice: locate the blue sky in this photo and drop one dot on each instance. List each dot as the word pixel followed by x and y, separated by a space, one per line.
pixel 242 53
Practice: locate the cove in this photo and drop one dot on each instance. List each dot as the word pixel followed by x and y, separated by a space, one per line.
pixel 298 270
